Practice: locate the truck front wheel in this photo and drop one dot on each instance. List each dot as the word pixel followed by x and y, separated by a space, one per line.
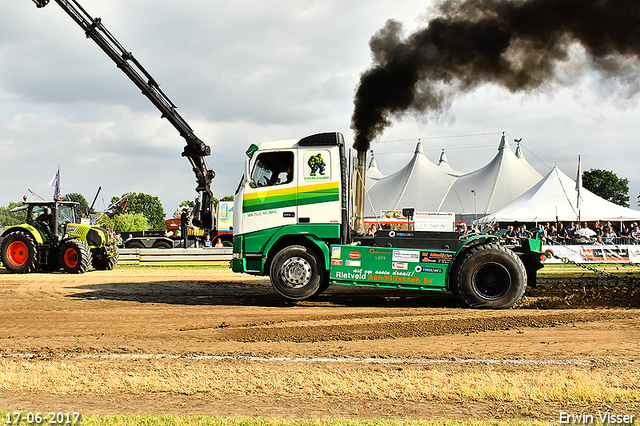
pixel 295 273
pixel 75 257
pixel 18 252
pixel 488 276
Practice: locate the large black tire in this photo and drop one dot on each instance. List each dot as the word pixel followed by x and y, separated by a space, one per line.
pixel 296 273
pixel 488 276
pixel 107 263
pixel 74 256
pixel 19 252
pixel 134 244
pixel 162 245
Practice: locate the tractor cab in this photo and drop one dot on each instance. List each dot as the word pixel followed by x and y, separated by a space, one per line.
pixel 51 217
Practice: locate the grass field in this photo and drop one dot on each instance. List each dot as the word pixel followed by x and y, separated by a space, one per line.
pixel 117 420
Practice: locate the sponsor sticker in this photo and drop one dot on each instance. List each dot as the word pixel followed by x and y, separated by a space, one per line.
pixel 336 262
pixel 353 263
pixel 400 265
pixel 354 255
pixel 406 256
pixel 435 257
pixel 336 252
pixel 71 228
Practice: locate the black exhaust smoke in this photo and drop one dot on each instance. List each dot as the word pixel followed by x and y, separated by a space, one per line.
pixel 519 45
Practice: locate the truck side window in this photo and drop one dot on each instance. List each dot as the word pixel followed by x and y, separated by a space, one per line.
pixel 272 168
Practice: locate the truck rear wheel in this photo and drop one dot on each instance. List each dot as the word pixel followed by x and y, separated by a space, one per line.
pixel 18 252
pixel 295 273
pixel 488 276
pixel 75 257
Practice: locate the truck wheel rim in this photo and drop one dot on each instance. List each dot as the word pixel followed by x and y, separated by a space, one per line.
pixel 296 272
pixel 491 281
pixel 18 253
pixel 71 258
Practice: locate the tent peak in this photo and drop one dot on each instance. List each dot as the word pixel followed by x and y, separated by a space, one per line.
pixel 443 158
pixel 419 149
pixel 503 143
pixel 519 152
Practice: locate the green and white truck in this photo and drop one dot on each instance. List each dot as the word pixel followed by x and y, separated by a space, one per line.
pixel 294 221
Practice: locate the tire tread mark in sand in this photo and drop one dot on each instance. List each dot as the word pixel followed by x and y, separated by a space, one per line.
pixel 409 329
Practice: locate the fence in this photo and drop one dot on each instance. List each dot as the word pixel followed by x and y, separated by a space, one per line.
pixel 175 256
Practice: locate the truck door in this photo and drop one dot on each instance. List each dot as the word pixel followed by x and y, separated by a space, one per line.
pixel 270 196
pixel 319 186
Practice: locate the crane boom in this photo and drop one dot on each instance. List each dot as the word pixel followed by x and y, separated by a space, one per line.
pixel 196 149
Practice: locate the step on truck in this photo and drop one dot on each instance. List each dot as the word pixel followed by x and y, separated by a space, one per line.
pixel 294 221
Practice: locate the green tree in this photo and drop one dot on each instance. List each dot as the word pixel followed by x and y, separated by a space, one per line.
pixel 8 218
pixel 608 185
pixel 125 222
pixel 145 204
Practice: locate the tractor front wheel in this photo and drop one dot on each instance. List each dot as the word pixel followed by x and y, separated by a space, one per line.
pixel 106 263
pixel 75 257
pixel 18 252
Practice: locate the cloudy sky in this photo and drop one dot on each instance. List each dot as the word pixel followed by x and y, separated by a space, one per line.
pixel 254 71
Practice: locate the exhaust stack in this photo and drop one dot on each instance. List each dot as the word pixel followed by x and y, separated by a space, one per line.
pixel 358 225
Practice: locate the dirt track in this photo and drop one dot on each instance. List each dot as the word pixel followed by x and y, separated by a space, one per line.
pixel 196 311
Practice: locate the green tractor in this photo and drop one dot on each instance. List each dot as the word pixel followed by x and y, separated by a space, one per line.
pixel 55 238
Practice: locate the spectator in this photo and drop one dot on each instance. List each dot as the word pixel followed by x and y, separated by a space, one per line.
pixel 609 235
pixel 635 233
pixel 563 238
pixel 524 233
pixel 511 236
pixel 473 230
pixel 597 228
pixel 207 241
pixel 552 235
pixel 625 233
pixel 219 243
pixel 571 228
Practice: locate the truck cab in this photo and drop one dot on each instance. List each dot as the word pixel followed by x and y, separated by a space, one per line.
pixel 290 194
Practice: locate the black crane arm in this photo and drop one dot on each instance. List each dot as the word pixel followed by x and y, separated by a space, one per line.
pixel 195 150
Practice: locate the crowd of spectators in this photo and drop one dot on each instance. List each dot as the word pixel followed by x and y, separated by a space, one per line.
pixel 572 233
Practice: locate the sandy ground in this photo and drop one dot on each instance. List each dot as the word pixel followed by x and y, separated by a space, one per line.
pixel 195 313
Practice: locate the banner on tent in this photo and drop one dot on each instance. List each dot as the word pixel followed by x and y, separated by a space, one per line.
pixel 596 253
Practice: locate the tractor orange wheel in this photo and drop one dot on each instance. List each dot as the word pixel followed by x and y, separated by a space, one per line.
pixel 71 257
pixel 18 253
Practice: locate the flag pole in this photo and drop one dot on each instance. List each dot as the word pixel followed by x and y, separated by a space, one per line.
pixel 579 188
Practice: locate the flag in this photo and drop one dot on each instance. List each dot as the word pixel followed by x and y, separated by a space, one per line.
pixel 579 184
pixel 55 182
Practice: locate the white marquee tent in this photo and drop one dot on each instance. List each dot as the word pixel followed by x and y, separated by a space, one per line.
pixel 429 188
pixel 555 197
pixel 420 185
